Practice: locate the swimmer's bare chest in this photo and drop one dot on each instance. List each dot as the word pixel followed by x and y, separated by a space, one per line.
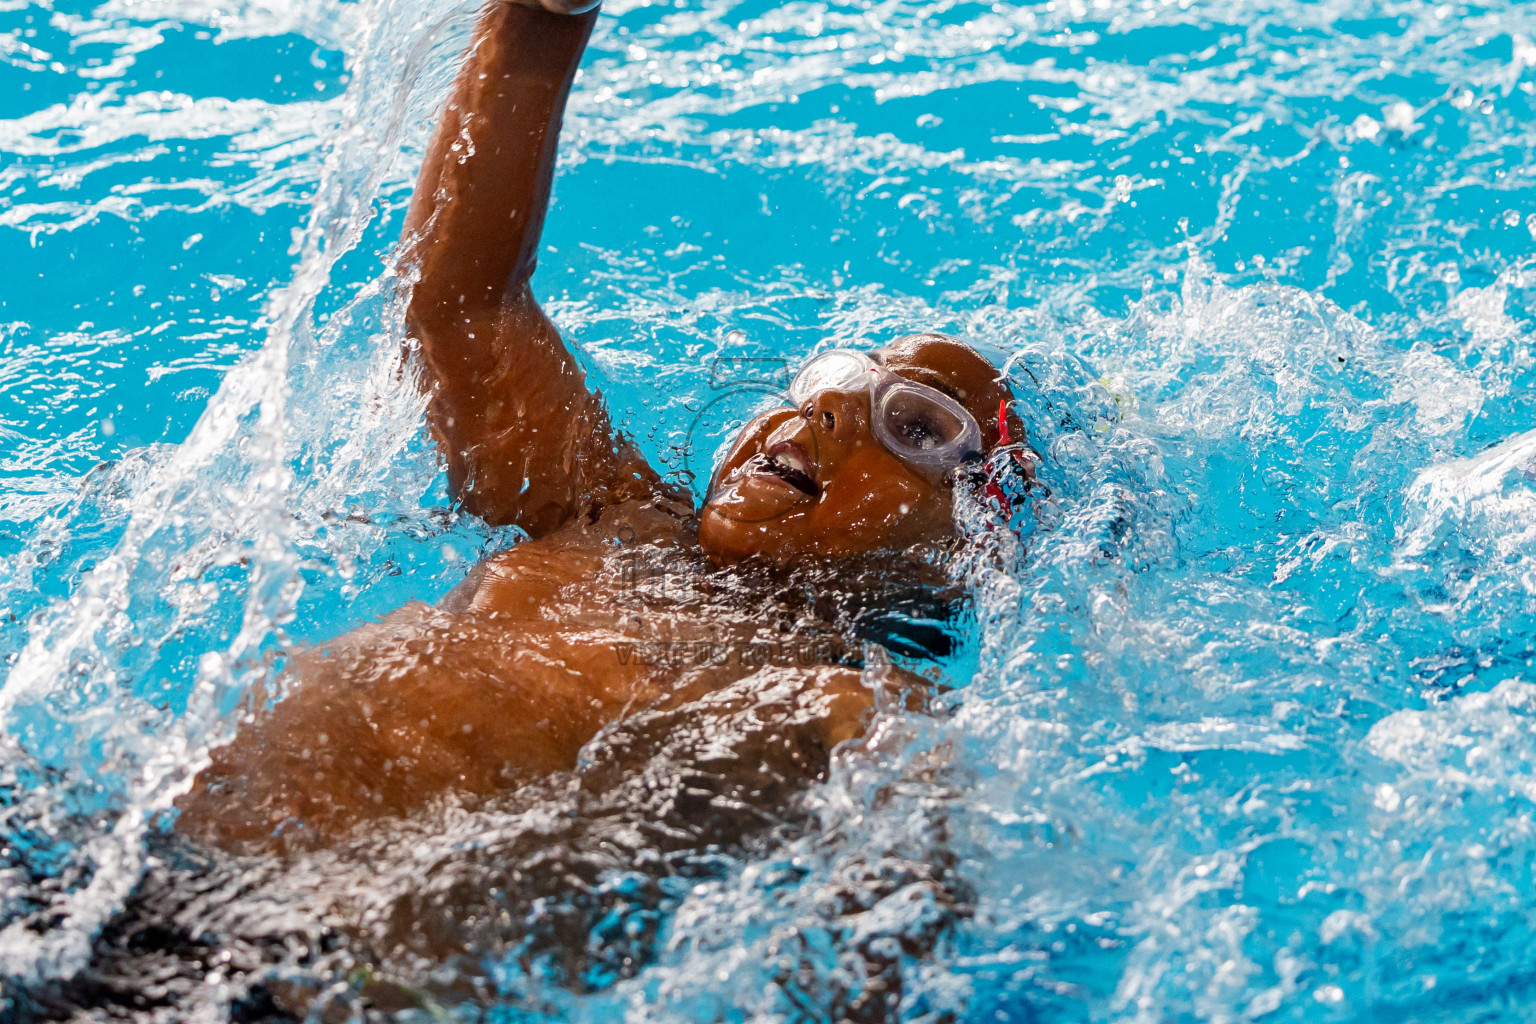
pixel 504 681
pixel 624 604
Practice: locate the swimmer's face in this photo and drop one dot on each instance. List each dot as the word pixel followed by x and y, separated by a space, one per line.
pixel 816 481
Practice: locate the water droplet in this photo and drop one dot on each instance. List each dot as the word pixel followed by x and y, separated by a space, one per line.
pixel 1365 128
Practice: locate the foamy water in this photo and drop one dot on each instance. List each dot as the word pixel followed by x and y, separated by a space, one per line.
pixel 1245 724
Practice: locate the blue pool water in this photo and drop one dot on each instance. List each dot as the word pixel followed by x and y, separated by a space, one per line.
pixel 1246 726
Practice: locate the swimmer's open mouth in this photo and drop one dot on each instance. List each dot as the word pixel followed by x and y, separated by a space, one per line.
pixel 789 464
pixel 792 475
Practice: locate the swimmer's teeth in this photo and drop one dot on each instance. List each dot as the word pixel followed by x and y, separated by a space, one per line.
pixel 791 469
pixel 797 464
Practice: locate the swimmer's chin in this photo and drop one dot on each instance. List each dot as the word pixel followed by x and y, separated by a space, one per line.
pixel 752 516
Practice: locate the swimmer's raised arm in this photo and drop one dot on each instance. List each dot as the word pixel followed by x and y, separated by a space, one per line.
pixel 527 443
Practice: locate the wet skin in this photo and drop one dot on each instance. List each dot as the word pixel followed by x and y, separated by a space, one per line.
pixel 850 494
pixel 506 679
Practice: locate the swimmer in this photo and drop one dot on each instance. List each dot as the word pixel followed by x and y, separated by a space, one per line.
pixel 532 657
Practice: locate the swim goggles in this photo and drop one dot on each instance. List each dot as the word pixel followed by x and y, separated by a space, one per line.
pixel 918 424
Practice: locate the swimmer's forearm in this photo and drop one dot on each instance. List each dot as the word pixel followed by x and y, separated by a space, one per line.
pixel 479 205
pixel 526 441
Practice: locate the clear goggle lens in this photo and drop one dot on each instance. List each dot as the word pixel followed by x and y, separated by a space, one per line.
pixel 914 422
pixel 838 370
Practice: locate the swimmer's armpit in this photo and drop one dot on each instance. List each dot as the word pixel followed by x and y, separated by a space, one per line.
pixel 527 442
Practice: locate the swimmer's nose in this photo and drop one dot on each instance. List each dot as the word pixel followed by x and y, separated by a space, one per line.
pixel 841 415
